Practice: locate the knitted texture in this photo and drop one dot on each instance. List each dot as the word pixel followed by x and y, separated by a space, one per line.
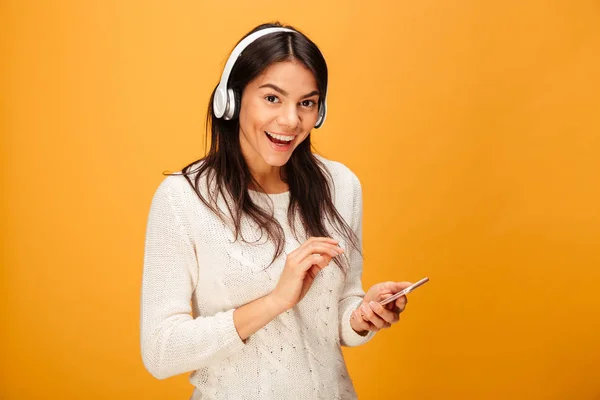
pixel 196 274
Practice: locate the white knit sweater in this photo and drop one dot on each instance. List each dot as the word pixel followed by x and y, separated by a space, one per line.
pixel 195 275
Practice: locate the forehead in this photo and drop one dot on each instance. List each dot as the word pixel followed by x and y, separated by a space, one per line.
pixel 291 76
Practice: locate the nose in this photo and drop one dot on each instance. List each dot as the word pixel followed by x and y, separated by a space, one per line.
pixel 289 117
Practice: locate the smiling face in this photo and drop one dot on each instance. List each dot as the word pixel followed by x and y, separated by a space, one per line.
pixel 278 110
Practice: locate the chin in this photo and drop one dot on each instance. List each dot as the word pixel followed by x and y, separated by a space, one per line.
pixel 278 160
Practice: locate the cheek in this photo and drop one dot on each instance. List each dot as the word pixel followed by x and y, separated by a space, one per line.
pixel 303 138
pixel 309 120
pixel 247 114
pixel 254 117
pixel 308 123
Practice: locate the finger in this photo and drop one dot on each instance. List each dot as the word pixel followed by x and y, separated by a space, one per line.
pixel 385 314
pixel 401 303
pixel 327 258
pixel 361 323
pixel 302 253
pixel 333 244
pixel 313 271
pixel 316 248
pixel 308 242
pixel 326 240
pixel 389 305
pixel 322 241
pixel 322 264
pixel 370 316
pixel 308 263
pixel 395 287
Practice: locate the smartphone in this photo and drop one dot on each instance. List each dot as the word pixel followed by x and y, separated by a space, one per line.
pixel 404 291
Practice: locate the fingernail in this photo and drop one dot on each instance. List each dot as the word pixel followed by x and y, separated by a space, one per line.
pixel 363 308
pixel 373 304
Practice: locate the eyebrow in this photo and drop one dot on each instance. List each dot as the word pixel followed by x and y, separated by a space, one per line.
pixel 285 93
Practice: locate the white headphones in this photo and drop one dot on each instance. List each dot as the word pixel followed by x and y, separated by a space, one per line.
pixel 224 101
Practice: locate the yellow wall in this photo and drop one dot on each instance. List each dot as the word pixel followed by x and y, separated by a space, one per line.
pixel 474 127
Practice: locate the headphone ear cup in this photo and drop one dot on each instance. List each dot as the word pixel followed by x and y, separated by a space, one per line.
pixel 233 104
pixel 230 107
pixel 322 114
pixel 237 103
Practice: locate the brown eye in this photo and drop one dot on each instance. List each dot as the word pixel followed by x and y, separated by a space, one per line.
pixel 271 99
pixel 308 103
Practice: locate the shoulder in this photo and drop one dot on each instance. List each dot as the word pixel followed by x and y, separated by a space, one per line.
pixel 176 186
pixel 346 188
pixel 341 175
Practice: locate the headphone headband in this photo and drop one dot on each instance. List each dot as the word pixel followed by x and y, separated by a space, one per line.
pixel 241 47
pixel 224 98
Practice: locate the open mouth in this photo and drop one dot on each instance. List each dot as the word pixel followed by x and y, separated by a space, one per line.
pixel 280 140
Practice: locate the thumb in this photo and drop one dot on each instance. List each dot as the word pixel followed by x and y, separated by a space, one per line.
pixel 312 273
pixel 395 287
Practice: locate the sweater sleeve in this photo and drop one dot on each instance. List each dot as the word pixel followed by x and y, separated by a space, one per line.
pixel 353 294
pixel 172 341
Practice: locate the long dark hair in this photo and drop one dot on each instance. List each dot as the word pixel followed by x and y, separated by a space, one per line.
pixel 225 168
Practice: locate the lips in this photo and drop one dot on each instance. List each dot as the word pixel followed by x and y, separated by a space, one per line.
pixel 279 138
pixel 277 143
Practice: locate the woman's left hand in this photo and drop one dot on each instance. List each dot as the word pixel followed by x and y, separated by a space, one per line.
pixel 372 316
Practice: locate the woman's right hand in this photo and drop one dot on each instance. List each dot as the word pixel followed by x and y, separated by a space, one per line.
pixel 301 267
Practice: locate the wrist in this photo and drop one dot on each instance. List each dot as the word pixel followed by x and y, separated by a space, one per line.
pixel 273 305
pixel 354 323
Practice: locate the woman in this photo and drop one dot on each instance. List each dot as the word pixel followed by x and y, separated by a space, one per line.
pixel 260 241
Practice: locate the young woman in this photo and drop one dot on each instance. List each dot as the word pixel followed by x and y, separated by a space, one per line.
pixel 252 266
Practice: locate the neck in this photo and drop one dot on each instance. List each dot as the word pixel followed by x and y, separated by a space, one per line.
pixel 267 176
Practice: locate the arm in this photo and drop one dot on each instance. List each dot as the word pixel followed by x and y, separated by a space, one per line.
pixel 172 341
pixel 255 315
pixel 353 294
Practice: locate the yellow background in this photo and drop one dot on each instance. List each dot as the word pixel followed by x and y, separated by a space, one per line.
pixel 474 127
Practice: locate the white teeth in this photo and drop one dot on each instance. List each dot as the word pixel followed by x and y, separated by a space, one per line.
pixel 281 137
